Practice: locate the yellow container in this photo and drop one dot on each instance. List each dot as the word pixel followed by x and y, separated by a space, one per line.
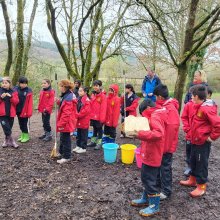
pixel 127 153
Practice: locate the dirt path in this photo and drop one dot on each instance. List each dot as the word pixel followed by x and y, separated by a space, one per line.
pixel 32 186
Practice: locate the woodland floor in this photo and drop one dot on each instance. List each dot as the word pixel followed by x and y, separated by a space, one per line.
pixel 32 186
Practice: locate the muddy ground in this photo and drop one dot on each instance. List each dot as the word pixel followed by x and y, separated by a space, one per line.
pixel 32 186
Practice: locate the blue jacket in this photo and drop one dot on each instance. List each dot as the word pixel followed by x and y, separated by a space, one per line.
pixel 148 86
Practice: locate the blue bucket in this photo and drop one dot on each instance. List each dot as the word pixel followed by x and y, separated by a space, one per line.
pixel 110 152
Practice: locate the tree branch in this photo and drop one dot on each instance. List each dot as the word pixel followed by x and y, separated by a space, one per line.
pixel 211 32
pixel 51 23
pixel 202 38
pixel 161 31
pixel 80 30
pixel 206 19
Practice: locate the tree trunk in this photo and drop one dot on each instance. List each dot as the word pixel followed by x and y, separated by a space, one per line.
pixel 20 42
pixel 28 44
pixel 180 83
pixel 51 24
pixel 9 39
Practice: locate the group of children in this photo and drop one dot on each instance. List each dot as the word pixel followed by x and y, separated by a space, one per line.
pixel 201 125
pixel 77 111
pixel 15 101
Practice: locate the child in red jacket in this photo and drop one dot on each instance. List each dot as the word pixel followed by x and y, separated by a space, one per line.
pixel 152 148
pixel 205 128
pixel 24 108
pixel 98 114
pixel 66 119
pixel 45 106
pixel 8 102
pixel 112 114
pixel 130 104
pixel 171 138
pixel 83 120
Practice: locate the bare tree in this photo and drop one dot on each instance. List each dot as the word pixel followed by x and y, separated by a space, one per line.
pixel 199 31
pixel 90 31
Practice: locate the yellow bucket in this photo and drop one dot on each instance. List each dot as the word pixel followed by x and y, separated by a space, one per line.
pixel 127 153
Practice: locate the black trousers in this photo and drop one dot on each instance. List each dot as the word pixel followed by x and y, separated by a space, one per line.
pixel 65 145
pixel 165 176
pixel 23 122
pixel 199 162
pixel 188 152
pixel 97 129
pixel 7 124
pixel 82 138
pixel 111 131
pixel 46 122
pixel 149 179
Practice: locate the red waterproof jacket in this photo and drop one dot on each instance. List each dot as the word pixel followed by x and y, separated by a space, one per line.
pixel 172 124
pixel 187 114
pixel 205 123
pixel 14 101
pixel 27 110
pixel 131 109
pixel 66 119
pixel 98 107
pixel 83 116
pixel 152 145
pixel 113 107
pixel 46 101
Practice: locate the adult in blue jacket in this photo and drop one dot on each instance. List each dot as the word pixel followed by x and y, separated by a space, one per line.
pixel 149 83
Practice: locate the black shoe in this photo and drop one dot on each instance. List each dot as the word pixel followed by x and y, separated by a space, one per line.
pixel 42 136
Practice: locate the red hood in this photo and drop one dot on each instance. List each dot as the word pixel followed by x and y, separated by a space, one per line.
pixel 115 88
pixel 167 102
pixel 147 112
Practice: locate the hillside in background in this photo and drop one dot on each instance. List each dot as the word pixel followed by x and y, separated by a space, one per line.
pixel 45 54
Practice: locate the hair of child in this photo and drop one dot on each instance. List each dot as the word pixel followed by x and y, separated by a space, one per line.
pixel 97 83
pixel 200 91
pixel 209 90
pixel 23 79
pixel 145 104
pixel 161 90
pixel 66 84
pixel 8 79
pixel 47 81
pixel 129 86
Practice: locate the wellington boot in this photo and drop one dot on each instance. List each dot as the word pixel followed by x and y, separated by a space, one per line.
pixel 93 142
pixel 11 142
pixel 199 191
pixel 190 182
pixel 153 208
pixel 143 201
pixel 26 138
pixel 21 137
pixel 5 143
